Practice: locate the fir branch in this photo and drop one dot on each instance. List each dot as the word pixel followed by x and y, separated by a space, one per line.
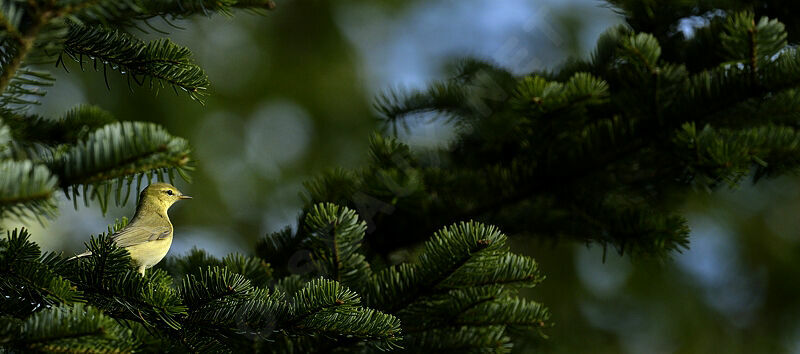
pixel 192 263
pixel 22 47
pixel 444 255
pixel 131 12
pixel 185 8
pixel 25 42
pixel 459 310
pixel 163 62
pixel 281 249
pixel 336 235
pixel 324 306
pixel 256 270
pixel 24 87
pixel 119 152
pixel 76 328
pixel 212 285
pixel 472 93
pixel 72 126
pixel 26 189
pixel 488 339
pixel 753 42
pixel 441 97
pixel 28 281
pixel 234 324
pixel 108 282
pixel 10 17
pixel 96 9
pixel 197 262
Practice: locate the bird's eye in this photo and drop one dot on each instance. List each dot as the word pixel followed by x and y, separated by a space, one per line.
pixel 169 191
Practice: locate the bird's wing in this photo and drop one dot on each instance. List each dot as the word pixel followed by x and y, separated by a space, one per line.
pixel 134 235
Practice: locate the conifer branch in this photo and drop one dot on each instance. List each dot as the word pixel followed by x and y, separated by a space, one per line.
pixel 76 328
pixel 9 19
pixel 164 62
pixel 25 40
pixel 26 189
pixel 73 126
pixel 28 281
pixel 120 152
pixel 593 151
pixel 130 12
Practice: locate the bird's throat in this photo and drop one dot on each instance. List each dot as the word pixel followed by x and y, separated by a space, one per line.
pixel 152 210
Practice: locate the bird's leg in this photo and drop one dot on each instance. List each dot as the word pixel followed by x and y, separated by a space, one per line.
pixel 142 269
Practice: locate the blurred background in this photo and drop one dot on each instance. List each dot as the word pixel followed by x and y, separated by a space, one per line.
pixel 291 97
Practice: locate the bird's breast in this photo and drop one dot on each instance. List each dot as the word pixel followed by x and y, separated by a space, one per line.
pixel 149 253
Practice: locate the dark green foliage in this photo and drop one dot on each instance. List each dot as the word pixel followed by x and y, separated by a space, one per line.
pixel 744 39
pixel 110 283
pixel 28 280
pixel 596 151
pixel 477 88
pixel 158 63
pixel 120 151
pixel 74 125
pixel 132 12
pixel 335 237
pixel 77 328
pixel 25 85
pixel 272 248
pixel 214 308
pixel 326 308
pixel 83 150
pixel 463 284
pixel 254 269
pixel 26 189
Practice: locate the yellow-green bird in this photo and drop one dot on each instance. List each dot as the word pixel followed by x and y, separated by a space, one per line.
pixel 149 234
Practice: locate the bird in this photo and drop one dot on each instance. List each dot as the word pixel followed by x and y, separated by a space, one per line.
pixel 148 236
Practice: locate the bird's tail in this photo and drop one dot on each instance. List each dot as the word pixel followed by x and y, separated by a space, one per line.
pixel 84 254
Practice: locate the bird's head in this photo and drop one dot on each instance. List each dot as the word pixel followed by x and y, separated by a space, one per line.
pixel 162 195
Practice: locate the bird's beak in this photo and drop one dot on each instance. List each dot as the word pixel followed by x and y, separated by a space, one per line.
pixel 184 196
